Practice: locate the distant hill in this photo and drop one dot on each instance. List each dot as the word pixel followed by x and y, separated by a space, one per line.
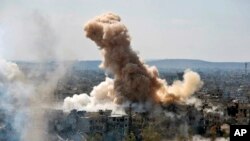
pixel 195 64
pixel 87 65
pixel 166 64
pixel 174 64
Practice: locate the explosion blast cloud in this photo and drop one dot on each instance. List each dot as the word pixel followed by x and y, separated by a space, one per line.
pixel 134 81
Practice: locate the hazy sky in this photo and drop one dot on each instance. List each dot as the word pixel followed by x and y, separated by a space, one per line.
pixel 212 30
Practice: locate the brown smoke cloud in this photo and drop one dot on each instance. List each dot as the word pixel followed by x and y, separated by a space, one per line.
pixel 133 80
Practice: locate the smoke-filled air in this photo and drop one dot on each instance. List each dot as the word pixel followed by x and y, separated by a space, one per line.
pixel 26 101
pixel 132 80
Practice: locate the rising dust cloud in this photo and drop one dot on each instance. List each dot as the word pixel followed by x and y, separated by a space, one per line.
pixel 134 81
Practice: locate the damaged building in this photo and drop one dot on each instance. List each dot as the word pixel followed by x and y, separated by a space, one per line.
pixel 82 125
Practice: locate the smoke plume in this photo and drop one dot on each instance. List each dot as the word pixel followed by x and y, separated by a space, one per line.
pixel 133 81
pixel 15 95
pixel 25 102
pixel 101 97
pixel 27 95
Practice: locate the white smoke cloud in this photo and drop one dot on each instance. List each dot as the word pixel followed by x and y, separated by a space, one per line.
pixel 14 94
pixel 28 36
pixel 194 101
pixel 100 98
pixel 9 71
pixel 25 101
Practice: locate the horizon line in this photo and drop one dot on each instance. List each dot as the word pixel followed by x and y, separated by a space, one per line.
pixel 145 60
